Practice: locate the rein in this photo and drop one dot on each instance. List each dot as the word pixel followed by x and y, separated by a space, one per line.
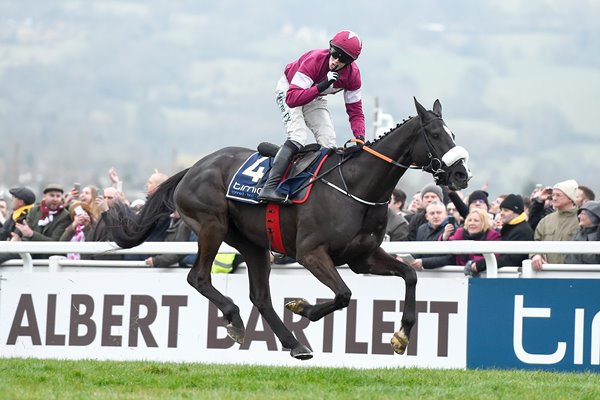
pixel 432 168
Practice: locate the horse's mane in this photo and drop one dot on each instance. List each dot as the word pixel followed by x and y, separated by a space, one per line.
pixel 404 121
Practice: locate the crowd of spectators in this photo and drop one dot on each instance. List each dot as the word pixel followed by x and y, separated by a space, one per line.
pixel 564 211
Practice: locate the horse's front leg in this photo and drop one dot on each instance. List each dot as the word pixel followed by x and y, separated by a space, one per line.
pixel 319 263
pixel 381 263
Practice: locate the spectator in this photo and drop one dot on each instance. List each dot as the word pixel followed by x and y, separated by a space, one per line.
pixel 584 194
pixel 414 207
pixel 88 195
pixel 540 205
pixel 83 222
pixel 429 193
pixel 3 210
pixel 23 201
pixel 477 227
pixel 589 230
pixel 437 218
pixel 558 225
pixel 46 221
pixel 495 205
pixel 453 212
pixel 397 227
pixel 514 227
pixel 477 199
pixel 177 231
pixel 397 201
pixel 101 232
pixel 159 232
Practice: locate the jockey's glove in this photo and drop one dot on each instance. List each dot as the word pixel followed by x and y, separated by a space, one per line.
pixel 331 77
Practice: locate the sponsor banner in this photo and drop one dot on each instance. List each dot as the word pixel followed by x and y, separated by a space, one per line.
pixel 534 324
pixel 158 316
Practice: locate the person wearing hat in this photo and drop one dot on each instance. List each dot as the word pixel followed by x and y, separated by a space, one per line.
pixel 22 203
pixel 429 194
pixel 514 228
pixel 46 221
pixel 23 200
pixel 589 230
pixel 559 225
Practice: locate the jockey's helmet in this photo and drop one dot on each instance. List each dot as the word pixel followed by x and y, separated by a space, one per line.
pixel 349 42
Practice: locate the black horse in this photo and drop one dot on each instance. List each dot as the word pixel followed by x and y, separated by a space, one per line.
pixel 332 228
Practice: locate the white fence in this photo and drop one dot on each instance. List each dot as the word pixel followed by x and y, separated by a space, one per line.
pixel 486 248
pixel 118 310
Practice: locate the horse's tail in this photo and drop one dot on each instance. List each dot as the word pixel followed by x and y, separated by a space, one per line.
pixel 128 229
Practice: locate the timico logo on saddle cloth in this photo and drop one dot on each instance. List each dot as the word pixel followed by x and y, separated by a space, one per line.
pixel 248 180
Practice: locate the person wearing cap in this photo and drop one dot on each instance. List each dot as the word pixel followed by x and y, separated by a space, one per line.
pixel 514 228
pixel 300 96
pixel 559 225
pixel 429 194
pixel 48 220
pixel 589 231
pixel 23 200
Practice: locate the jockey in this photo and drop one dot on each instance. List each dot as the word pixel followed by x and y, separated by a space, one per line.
pixel 301 99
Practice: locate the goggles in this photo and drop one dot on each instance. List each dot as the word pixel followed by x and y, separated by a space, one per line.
pixel 340 55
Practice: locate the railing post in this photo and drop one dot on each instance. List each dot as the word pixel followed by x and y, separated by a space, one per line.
pixel 491 265
pixel 27 262
pixel 527 269
pixel 54 263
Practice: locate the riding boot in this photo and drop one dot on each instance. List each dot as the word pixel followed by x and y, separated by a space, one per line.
pixel 280 163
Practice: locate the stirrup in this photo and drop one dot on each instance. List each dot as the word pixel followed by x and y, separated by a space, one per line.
pixel 279 200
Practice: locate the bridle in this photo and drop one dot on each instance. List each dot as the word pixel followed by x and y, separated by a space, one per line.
pixel 435 166
pixel 436 163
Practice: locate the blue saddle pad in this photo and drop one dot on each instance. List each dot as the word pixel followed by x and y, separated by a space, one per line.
pixel 250 177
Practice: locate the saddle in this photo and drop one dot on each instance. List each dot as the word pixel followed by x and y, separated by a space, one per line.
pixel 245 184
pixel 301 161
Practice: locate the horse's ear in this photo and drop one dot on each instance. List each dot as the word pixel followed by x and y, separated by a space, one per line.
pixel 437 108
pixel 420 110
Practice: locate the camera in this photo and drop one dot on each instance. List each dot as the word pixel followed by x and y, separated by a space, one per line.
pixel 451 220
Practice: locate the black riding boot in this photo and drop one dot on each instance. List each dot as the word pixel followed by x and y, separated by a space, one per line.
pixel 280 163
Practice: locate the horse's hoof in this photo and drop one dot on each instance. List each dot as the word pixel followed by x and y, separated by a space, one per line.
pixel 236 333
pixel 297 306
pixel 301 352
pixel 399 341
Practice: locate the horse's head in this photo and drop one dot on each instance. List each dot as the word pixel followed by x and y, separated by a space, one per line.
pixel 437 153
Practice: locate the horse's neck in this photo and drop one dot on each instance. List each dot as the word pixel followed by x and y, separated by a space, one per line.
pixel 378 178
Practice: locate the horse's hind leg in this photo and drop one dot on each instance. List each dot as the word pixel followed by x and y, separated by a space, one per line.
pixel 381 263
pixel 210 237
pixel 259 269
pixel 321 266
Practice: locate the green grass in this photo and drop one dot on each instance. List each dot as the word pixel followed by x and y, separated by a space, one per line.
pixel 54 379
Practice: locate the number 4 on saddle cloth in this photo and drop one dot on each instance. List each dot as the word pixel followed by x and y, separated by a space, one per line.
pixel 248 180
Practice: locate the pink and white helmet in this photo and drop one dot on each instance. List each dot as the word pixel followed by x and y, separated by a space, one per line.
pixel 349 42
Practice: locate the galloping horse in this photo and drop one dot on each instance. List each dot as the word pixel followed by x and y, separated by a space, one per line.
pixel 332 228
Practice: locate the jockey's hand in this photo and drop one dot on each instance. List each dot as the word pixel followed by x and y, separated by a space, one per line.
pixel 360 137
pixel 328 81
pixel 332 76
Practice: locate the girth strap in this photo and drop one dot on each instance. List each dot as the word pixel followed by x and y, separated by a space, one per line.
pixel 273 228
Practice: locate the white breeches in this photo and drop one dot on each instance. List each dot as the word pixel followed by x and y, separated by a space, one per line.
pixel 313 116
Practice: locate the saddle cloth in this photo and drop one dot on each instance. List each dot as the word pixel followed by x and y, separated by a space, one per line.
pixel 249 179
